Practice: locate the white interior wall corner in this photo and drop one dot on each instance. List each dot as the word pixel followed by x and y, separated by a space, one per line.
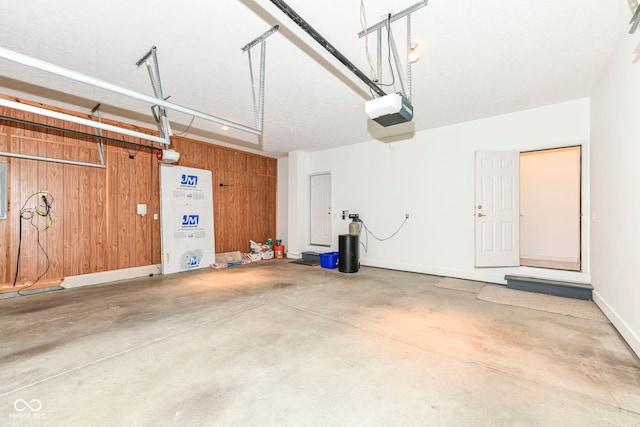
pixel 298 206
pixel 615 205
pixel 282 210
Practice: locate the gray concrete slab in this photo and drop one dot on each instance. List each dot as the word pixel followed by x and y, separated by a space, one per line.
pixel 274 343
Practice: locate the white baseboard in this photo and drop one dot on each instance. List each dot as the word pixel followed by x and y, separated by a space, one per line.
pixel 627 333
pixel 109 276
pixel 481 275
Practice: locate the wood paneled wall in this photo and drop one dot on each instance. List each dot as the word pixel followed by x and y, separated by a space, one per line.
pixel 95 225
pixel 245 205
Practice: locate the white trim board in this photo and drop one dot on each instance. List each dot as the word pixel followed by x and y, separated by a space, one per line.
pixel 109 276
pixel 481 274
pixel 491 275
pixel 627 333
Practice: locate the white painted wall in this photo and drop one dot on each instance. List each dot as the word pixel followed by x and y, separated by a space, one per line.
pixel 615 189
pixel 282 209
pixel 298 204
pixel 431 177
pixel 550 205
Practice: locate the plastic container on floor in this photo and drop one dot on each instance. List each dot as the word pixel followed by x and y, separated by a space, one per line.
pixel 329 260
pixel 278 251
pixel 349 257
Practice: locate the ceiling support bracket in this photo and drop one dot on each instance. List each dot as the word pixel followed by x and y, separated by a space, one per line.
pixel 393 18
pixel 404 78
pixel 258 100
pixel 98 132
pixel 635 20
pixel 150 59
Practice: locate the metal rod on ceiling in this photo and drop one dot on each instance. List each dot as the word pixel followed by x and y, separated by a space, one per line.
pixel 328 46
pixel 92 81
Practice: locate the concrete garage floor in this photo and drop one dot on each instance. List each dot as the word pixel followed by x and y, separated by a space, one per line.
pixel 278 344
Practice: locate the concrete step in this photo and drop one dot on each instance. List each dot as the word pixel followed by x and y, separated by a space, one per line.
pixel 311 256
pixel 581 291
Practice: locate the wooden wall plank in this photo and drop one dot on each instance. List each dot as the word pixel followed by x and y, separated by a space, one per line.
pixel 124 200
pixel 141 190
pixel 71 201
pixel 5 234
pixel 29 249
pixel 156 250
pixel 54 184
pixel 111 154
pixel 86 210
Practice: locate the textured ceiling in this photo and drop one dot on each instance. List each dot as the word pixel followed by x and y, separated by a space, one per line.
pixel 478 59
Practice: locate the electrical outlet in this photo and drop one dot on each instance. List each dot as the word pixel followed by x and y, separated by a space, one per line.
pixel 406 216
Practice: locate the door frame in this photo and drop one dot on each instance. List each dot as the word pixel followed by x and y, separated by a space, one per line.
pixel 310 224
pixel 585 217
pixel 580 219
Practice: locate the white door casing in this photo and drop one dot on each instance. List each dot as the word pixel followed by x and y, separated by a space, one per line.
pixel 497 236
pixel 320 209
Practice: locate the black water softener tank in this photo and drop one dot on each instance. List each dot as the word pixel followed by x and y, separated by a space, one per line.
pixel 348 259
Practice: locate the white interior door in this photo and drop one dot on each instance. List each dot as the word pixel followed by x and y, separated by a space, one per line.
pixel 320 221
pixel 497 209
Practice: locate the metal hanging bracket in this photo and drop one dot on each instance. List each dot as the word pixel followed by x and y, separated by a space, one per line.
pixel 258 100
pixel 393 18
pixel 635 20
pixel 405 79
pixel 161 117
pixel 98 132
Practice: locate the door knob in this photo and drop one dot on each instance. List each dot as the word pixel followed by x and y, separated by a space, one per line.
pixel 480 215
